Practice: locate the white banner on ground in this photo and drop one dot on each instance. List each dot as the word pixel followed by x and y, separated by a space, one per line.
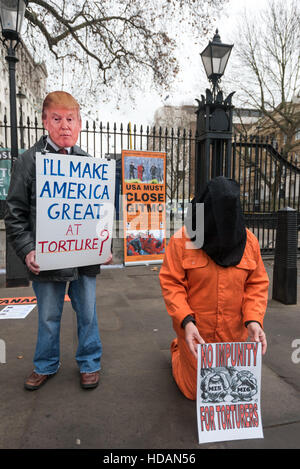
pixel 228 391
pixel 16 311
pixel 75 209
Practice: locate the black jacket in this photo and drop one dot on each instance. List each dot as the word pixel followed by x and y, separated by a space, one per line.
pixel 20 215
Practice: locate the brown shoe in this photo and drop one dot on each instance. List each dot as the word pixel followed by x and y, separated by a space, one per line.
pixel 89 380
pixel 35 381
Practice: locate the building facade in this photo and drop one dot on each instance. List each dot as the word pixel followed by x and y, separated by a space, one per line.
pixel 182 121
pixel 282 126
pixel 31 78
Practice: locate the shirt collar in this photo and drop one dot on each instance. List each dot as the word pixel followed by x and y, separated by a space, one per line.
pixel 56 147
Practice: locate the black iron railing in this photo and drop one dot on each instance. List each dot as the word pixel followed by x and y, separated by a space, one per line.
pixel 268 181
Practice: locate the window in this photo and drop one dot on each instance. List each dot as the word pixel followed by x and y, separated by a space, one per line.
pixel 297 134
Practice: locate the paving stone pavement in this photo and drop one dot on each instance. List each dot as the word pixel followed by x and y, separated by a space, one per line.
pixel 137 404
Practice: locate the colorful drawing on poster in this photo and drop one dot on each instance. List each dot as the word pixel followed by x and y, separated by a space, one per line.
pixel 228 391
pixel 144 206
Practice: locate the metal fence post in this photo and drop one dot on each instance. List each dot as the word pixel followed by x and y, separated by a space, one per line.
pixel 285 262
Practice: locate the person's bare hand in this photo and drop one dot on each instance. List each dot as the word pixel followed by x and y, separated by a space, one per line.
pixel 31 264
pixel 192 338
pixel 256 334
pixel 108 260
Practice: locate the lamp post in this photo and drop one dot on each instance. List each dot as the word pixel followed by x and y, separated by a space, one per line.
pixel 215 57
pixel 214 118
pixel 11 18
pixel 21 97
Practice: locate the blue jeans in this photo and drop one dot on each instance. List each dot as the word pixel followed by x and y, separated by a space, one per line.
pixel 50 300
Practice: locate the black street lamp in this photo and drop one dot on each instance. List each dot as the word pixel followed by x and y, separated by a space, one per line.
pixel 215 57
pixel 12 14
pixel 214 118
pixel 21 97
pixel 11 18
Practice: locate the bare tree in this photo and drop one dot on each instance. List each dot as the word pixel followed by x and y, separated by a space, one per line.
pixel 115 43
pixel 267 46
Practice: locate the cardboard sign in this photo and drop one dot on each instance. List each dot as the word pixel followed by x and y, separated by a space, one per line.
pixel 144 200
pixel 75 209
pixel 228 391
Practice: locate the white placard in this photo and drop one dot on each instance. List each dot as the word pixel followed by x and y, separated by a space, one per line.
pixel 75 210
pixel 16 311
pixel 228 391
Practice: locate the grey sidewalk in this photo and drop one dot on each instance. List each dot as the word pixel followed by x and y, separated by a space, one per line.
pixel 137 404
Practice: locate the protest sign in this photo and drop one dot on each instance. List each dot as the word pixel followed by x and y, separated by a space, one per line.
pixel 144 206
pixel 5 169
pixel 228 391
pixel 75 209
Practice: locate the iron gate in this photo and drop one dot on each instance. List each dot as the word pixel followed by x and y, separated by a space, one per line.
pixel 268 181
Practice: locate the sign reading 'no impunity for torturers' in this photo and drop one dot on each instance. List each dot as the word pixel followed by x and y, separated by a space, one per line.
pixel 228 391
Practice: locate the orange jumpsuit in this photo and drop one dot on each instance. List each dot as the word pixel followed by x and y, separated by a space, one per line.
pixel 221 299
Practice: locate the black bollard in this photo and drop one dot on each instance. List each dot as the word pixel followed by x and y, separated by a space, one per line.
pixel 16 272
pixel 285 263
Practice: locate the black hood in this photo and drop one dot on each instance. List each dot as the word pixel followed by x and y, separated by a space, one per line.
pixel 224 224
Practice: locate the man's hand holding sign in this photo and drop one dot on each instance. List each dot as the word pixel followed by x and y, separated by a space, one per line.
pixel 193 338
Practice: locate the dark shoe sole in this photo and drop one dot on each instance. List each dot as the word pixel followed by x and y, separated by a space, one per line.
pixel 91 385
pixel 28 387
